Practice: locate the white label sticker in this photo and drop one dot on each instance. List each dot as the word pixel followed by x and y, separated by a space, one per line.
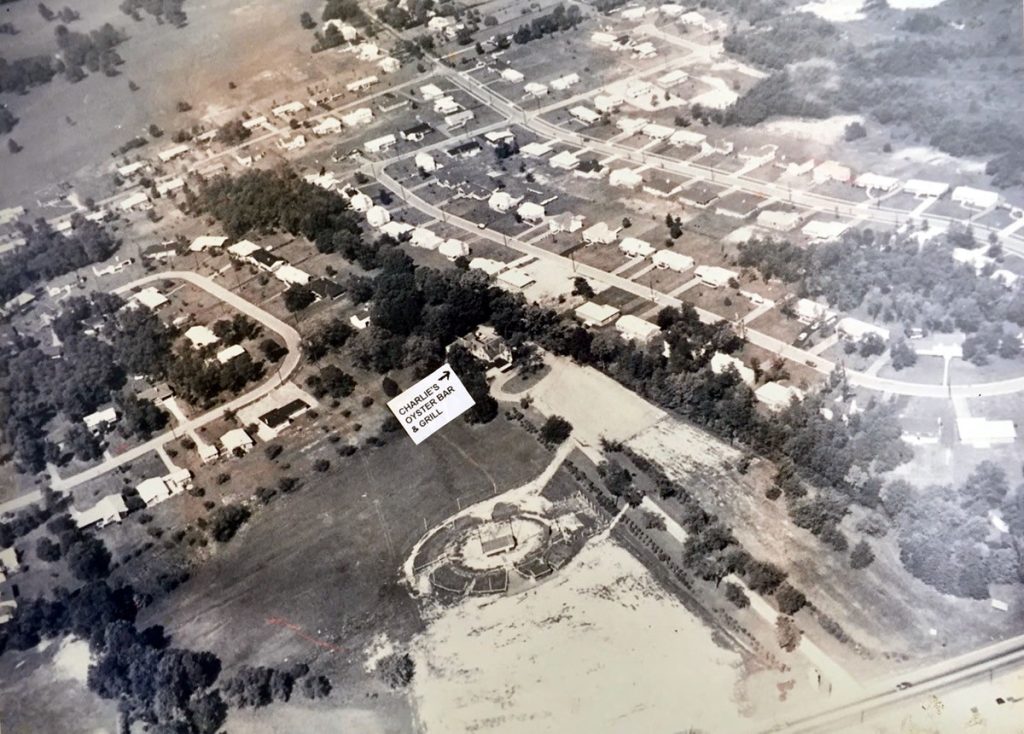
pixel 432 403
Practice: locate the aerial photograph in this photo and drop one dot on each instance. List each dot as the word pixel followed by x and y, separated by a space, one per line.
pixel 511 366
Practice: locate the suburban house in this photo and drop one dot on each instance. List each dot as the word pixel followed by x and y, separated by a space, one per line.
pixel 810 312
pixel 625 178
pixel 379 145
pixel 265 260
pixel 465 150
pixel 431 92
pixel 530 212
pixel 777 220
pixel 739 205
pixel 487 346
pixel 512 76
pixel 162 251
pixel 972 198
pixel 633 247
pixel 325 289
pixel 425 162
pixel 565 222
pixel 155 490
pixel 151 298
pixel 564 82
pixel 662 185
pixel 201 336
pixel 291 275
pixel 101 420
pixel 169 154
pixel 491 267
pixel 654 131
pixel 535 89
pixel 634 328
pixel 518 279
pixel 459 119
pixel 206 242
pixel 983 433
pixel 243 249
pixel 596 314
pixel 360 84
pixel 453 248
pixel 607 102
pixel 327 126
pixel 721 362
pixel 777 397
pixel 377 216
pixel 497 137
pixel 876 182
pixel 288 109
pixel 669 260
pixel 537 150
pixel 824 231
pixel 687 138
pixel 600 234
pixel 296 143
pixel 565 160
pixel 922 189
pixel 584 114
pixel 502 201
pixel 360 202
pixel 632 125
pixel 715 277
pixel 235 442
pixel 446 105
pixel 700 194
pixel 396 229
pixel 355 118
pixel 137 202
pixel 416 133
pixel 274 421
pixel 671 78
pixel 389 65
pixel 831 171
pixel 424 238
pixel 108 510
pixel 856 329
pixel 230 353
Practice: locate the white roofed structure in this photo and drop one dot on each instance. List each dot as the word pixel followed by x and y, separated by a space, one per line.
pixel 635 328
pixel 292 275
pixel 714 276
pixel 974 198
pixel 596 314
pixel 876 182
pixel 518 279
pixel 777 397
pixel 721 362
pixel 984 433
pixel 151 298
pixel 108 510
pixel 824 231
pixel 777 220
pixel 669 260
pixel 634 247
pixel 600 234
pixel 201 336
pixel 226 355
pixel 925 189
pixel 206 242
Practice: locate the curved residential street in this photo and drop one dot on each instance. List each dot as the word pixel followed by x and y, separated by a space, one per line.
pixel 292 340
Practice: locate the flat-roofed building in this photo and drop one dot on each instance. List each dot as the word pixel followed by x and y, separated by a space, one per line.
pixel 715 277
pixel 973 198
pixel 777 397
pixel 516 278
pixel 824 231
pixel 596 314
pixel 777 220
pixel 923 189
pixel 634 328
pixel 633 247
pixel 669 260
pixel 721 362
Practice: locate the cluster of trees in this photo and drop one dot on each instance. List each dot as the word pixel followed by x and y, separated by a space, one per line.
pixel 49 254
pixel 268 201
pixel 200 381
pixel 93 51
pixel 896 280
pixel 787 40
pixel 899 80
pixel 236 329
pixel 414 13
pixel 233 133
pixel 559 19
pixel 163 10
pixel 944 534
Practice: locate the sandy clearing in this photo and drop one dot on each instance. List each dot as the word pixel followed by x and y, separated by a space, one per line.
pixel 827 132
pixel 595 404
pixel 72 659
pixel 837 11
pixel 599 648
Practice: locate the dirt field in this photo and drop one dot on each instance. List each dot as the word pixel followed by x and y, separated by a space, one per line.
pixel 257 44
pixel 326 559
pixel 573 655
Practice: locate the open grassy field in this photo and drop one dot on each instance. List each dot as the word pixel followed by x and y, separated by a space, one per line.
pixel 326 557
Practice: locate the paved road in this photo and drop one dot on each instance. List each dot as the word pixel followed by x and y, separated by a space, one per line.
pixel 964 670
pixel 517 115
pixel 291 339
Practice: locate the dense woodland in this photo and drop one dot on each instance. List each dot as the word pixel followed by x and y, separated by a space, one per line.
pixel 49 254
pixel 902 79
pixel 901 283
pixel 91 373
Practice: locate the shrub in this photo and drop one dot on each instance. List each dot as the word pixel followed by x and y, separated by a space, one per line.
pixel 736 595
pixel 226 520
pixel 861 556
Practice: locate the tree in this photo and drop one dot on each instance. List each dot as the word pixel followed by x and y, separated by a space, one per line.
pixel 13 146
pixel 397 670
pixel 298 297
pixel 226 520
pixel 789 599
pixel 581 287
pixel 389 387
pixel 88 559
pixel 902 354
pixel 736 595
pixel 47 550
pixel 307 21
pixel 787 633
pixel 316 686
pixel 555 430
pixel 854 131
pixel 861 556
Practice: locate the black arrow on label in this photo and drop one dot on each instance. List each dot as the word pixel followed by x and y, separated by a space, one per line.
pixel 445 375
